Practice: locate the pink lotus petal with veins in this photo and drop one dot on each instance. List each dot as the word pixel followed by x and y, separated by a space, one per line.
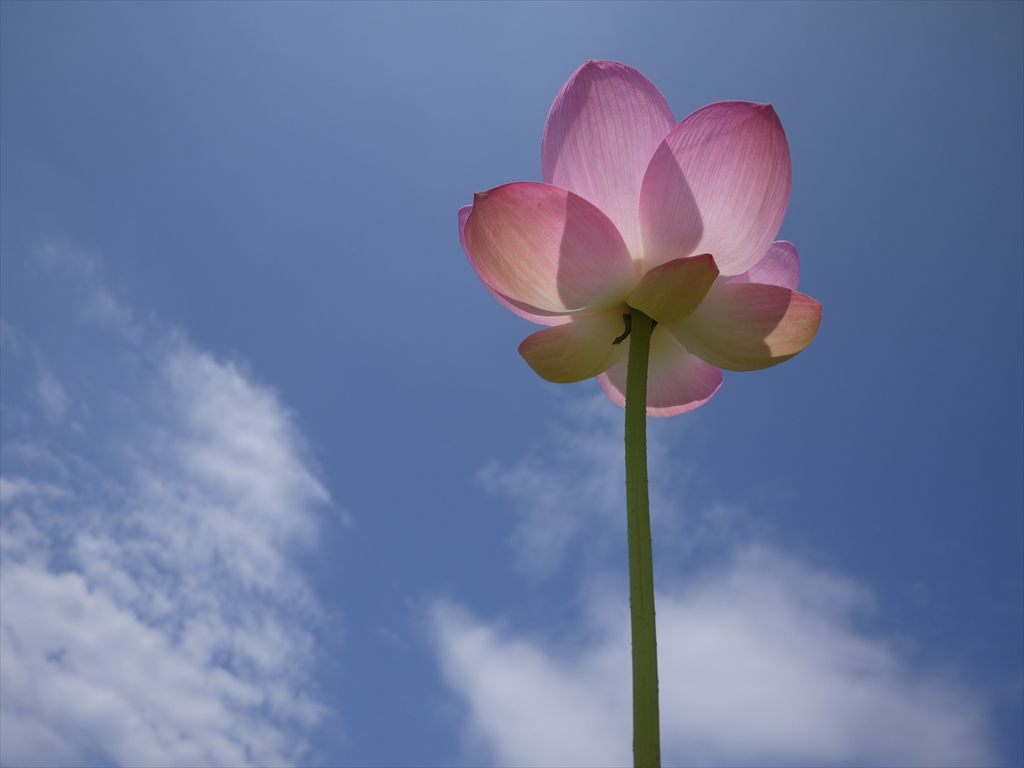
pixel 507 303
pixel 599 138
pixel 547 250
pixel 748 326
pixel 780 266
pixel 718 184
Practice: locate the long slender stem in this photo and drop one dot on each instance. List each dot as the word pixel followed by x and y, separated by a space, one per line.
pixel 646 727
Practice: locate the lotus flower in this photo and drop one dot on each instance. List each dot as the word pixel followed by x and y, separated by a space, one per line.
pixel 636 211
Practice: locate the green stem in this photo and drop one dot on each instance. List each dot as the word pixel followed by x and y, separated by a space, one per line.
pixel 646 730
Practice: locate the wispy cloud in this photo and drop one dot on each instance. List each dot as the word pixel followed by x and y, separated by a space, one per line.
pixel 152 611
pixel 570 496
pixel 556 509
pixel 763 659
pixel 52 397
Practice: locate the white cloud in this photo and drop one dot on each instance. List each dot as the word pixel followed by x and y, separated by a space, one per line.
pixel 152 612
pixel 577 495
pixel 97 304
pixel 529 705
pixel 52 397
pixel 762 659
pixel 12 488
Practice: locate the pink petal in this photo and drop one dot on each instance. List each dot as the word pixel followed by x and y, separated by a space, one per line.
pixel 718 184
pixel 673 290
pixel 539 319
pixel 577 350
pixel 676 380
pixel 780 266
pixel 546 250
pixel 600 136
pixel 748 326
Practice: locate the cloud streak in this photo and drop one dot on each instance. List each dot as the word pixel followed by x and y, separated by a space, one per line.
pixel 152 610
pixel 763 658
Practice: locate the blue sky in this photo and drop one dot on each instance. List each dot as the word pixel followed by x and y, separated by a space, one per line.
pixel 277 488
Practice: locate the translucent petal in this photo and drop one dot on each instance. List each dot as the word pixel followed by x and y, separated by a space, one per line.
pixel 748 326
pixel 718 184
pixel 676 380
pixel 578 349
pixel 547 250
pixel 600 136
